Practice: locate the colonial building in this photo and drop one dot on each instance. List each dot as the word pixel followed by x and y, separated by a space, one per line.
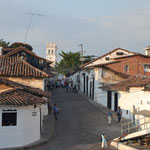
pixel 95 73
pixel 112 67
pixel 20 113
pixel 31 71
pixel 133 94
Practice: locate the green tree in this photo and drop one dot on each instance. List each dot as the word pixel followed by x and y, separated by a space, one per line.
pixel 69 63
pixel 18 44
pixel 4 44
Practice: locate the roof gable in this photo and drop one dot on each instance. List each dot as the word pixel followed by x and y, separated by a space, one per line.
pixel 118 52
pixel 14 51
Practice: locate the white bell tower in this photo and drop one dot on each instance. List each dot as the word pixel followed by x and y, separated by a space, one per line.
pixel 51 53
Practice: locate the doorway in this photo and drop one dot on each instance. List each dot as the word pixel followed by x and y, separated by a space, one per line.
pixel 90 89
pixel 115 101
pixel 93 88
pixel 87 81
pixel 84 83
pixel 109 95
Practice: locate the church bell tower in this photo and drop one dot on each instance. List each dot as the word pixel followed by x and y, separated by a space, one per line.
pixel 51 53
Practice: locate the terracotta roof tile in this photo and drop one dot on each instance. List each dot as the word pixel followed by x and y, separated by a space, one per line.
pixel 23 69
pixel 133 81
pixel 19 98
pixel 26 88
pixel 26 50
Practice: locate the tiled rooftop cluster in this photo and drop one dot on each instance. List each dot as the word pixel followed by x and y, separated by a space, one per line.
pixel 133 81
pixel 12 64
pixel 15 65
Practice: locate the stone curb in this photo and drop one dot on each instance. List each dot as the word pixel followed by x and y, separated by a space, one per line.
pixel 43 139
pixel 121 146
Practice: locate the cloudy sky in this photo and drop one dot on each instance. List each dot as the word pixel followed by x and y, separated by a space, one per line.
pixel 100 25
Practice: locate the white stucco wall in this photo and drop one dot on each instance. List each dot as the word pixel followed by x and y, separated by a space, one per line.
pixel 111 56
pixel 25 132
pixel 136 97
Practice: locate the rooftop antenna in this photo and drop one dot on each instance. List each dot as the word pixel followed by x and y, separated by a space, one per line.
pixel 32 14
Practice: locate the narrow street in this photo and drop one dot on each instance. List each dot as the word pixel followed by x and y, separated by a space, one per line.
pixel 79 124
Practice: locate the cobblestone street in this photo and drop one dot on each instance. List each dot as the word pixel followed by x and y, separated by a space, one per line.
pixel 79 124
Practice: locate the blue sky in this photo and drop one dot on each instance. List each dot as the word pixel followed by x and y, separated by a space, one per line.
pixel 100 25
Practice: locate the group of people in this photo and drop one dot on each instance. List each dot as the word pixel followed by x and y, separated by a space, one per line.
pixel 118 113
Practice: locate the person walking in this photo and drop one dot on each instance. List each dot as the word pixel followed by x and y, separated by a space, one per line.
pixel 109 117
pixel 56 111
pixel 104 142
pixel 119 113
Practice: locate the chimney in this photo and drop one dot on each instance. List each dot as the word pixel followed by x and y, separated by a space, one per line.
pixel 1 50
pixel 147 51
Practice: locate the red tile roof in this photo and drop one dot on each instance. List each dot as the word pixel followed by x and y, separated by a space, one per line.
pixel 105 55
pixel 133 81
pixel 4 61
pixel 20 98
pixel 22 69
pixel 26 88
pixel 14 51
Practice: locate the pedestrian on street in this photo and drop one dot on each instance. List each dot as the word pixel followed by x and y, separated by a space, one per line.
pixel 104 142
pixel 119 114
pixel 56 111
pixel 109 117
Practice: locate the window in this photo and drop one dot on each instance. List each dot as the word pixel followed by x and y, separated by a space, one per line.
pixel 119 53
pixel 146 68
pixel 51 51
pixel 107 58
pixel 126 68
pixel 9 118
pixel 127 112
pixel 48 51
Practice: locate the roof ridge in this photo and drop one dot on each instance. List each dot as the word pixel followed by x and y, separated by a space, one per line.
pixel 105 55
pixel 23 48
pixel 26 63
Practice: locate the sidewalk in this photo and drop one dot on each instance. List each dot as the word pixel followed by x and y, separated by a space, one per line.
pixel 46 133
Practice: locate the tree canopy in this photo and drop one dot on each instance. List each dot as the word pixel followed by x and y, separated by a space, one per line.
pixel 4 44
pixel 71 62
pixel 18 44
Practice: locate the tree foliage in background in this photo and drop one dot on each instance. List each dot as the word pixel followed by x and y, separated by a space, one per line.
pixel 69 63
pixel 18 44
pixel 4 44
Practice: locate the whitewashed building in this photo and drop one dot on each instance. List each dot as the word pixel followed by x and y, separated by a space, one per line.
pixel 133 95
pixel 95 74
pixel 20 114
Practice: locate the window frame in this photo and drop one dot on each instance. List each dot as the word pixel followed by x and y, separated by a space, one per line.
pixel 7 117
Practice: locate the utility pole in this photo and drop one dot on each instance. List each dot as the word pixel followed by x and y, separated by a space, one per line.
pixel 32 14
pixel 82 58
